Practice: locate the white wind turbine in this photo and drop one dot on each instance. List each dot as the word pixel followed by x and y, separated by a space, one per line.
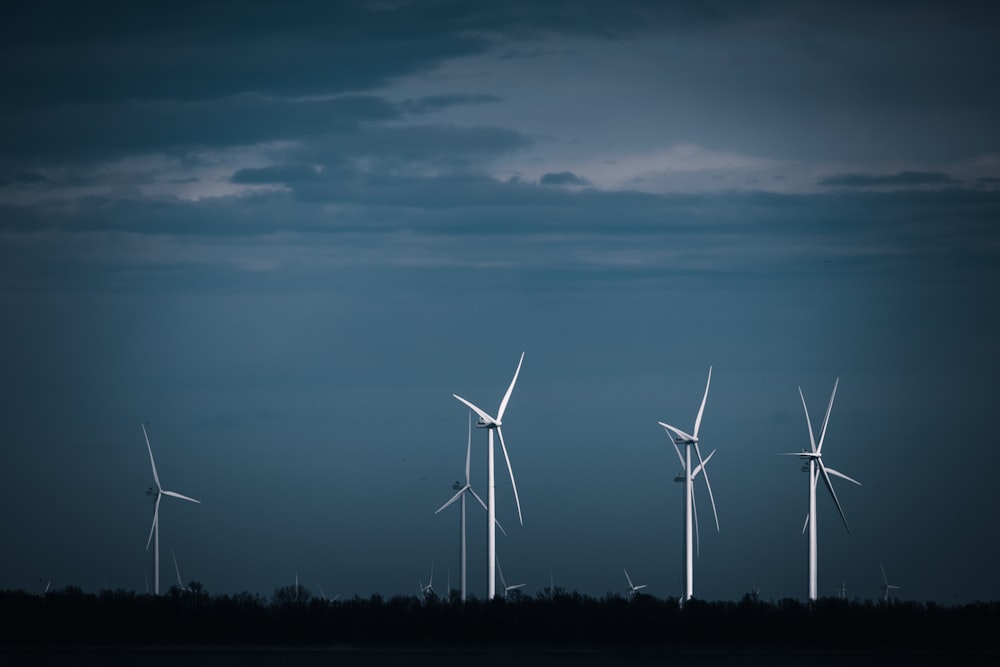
pixel 817 469
pixel 633 590
pixel 180 584
pixel 679 437
pixel 461 490
pixel 886 586
pixel 493 424
pixel 428 590
pixel 154 530
pixel 503 582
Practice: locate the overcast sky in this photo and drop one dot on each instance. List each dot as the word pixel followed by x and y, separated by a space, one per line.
pixel 284 235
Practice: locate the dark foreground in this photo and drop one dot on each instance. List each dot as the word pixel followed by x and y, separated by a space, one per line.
pixel 191 627
pixel 464 656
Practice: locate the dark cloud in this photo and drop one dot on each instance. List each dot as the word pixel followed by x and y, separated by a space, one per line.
pixel 901 179
pixel 68 53
pixel 563 178
pixel 433 103
pixel 103 131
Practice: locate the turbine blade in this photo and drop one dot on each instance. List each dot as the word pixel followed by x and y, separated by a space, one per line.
pixel 884 578
pixel 511 471
pixel 497 522
pixel 510 390
pixel 639 587
pixel 173 494
pixel 156 478
pixel 628 578
pixel 826 418
pixel 476 496
pixel 842 476
pixel 829 485
pixel 679 456
pixel 453 499
pixel 468 452
pixel 812 440
pixel 701 410
pixel 156 516
pixel 701 464
pixel 679 434
pixel 500 572
pixel 805 524
pixel 486 418
pixel 697 532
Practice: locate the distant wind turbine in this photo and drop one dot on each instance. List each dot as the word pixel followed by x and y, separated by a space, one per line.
pixel 154 531
pixel 493 424
pixel 428 590
pixel 679 437
pixel 503 582
pixel 461 490
pixel 817 469
pixel 180 584
pixel 886 586
pixel 633 590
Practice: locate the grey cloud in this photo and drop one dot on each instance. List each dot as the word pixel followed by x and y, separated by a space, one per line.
pixel 901 179
pixel 287 173
pixel 563 178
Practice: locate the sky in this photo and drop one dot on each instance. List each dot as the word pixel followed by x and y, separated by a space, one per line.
pixel 285 234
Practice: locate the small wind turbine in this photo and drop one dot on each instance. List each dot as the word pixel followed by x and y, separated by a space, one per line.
pixel 816 469
pixel 493 424
pixel 180 584
pixel 679 437
pixel 461 490
pixel 428 590
pixel 633 590
pixel 842 590
pixel 886 586
pixel 507 589
pixel 154 530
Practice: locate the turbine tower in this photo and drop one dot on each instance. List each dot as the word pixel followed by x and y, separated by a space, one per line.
pixel 816 469
pixel 679 437
pixel 154 531
pixel 493 425
pixel 461 490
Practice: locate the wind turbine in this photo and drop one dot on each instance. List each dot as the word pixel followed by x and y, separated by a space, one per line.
pixel 428 590
pixel 817 469
pixel 493 424
pixel 886 586
pixel 632 588
pixel 154 530
pixel 679 437
pixel 461 490
pixel 180 584
pixel 503 582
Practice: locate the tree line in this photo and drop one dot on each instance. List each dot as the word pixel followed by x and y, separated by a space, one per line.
pixel 293 615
